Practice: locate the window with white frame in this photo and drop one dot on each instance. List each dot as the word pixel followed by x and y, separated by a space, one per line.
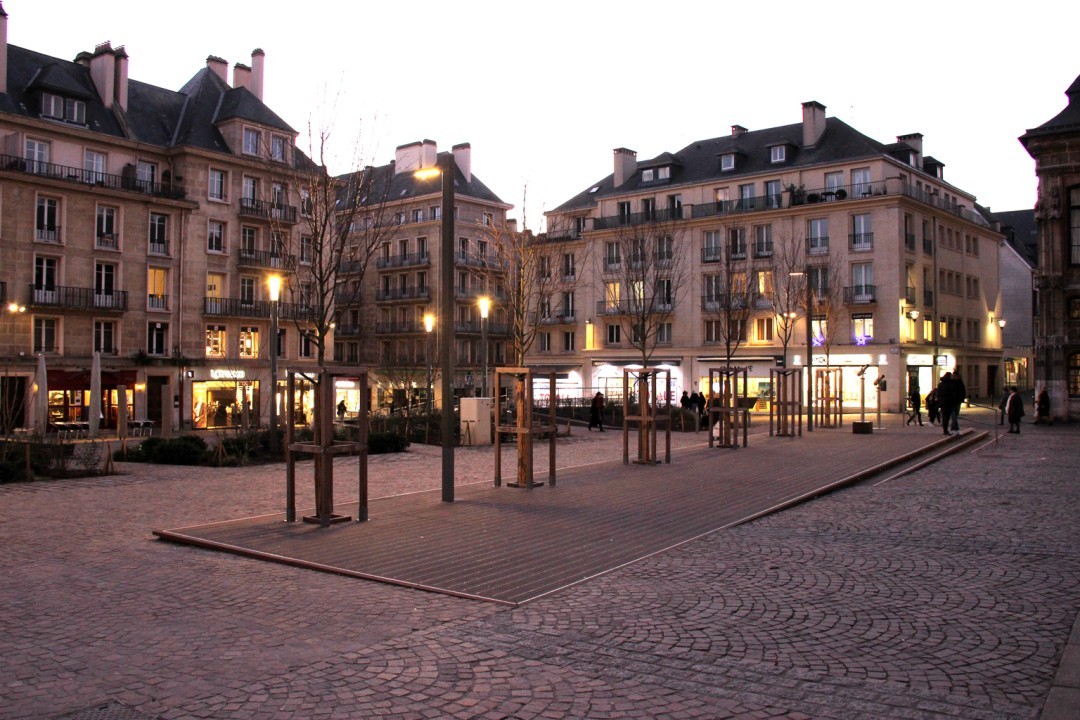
pixel 307 345
pixel 251 141
pixel 778 153
pixel 94 166
pixel 47 226
pixel 216 184
pixel 157 288
pixel 817 235
pixel 714 331
pixel 713 242
pixel 105 337
pixel 647 175
pixel 737 242
pixel 66 109
pixel 36 153
pixel 663 173
pixel 249 342
pixel 614 334
pixel 157 338
pixel 46 334
pixel 249 192
pixel 727 161
pixel 773 196
pixel 106 228
pixel 612 295
pixel 307 249
pixel 665 249
pixel 834 181
pixel 105 294
pixel 544 340
pixel 46 274
pixel 215 237
pixel 663 333
pixel 159 234
pixel 418 215
pixel 146 176
pixel 215 341
pixel 862 281
pixel 862 328
pixel 249 241
pixel 279 148
pixel 862 232
pixel 247 290
pixel 763 329
pixel 569 266
pixel 568 309
pixel 860 182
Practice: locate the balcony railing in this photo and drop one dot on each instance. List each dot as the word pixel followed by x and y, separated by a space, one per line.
pixel 909 295
pixel 400 261
pixel 641 218
pixel 817 245
pixel 238 307
pixel 711 254
pixel 77 298
pixel 108 241
pixel 763 249
pixel 716 303
pixel 128 181
pixel 250 207
pixel 398 327
pixel 860 294
pixel 612 264
pixel 348 331
pixel 861 242
pixel 927 246
pixel 403 293
pixel 552 318
pixel 909 241
pixel 469 259
pixel 159 247
pixel 49 234
pixel 737 251
pixel 622 307
pixel 265 259
pixel 157 302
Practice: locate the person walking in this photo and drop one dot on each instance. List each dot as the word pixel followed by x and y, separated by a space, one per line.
pixel 684 401
pixel 341 410
pixel 933 406
pixel 1014 408
pixel 596 411
pixel 915 398
pixel 946 394
pixel 1042 407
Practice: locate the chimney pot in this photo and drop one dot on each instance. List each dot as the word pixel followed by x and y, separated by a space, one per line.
pixel 625 165
pixel 813 122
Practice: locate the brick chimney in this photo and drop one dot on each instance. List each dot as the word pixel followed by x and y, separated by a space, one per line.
pixel 241 76
pixel 813 122
pixel 219 66
pixel 407 157
pixel 103 72
pixel 3 49
pixel 463 159
pixel 737 130
pixel 914 141
pixel 121 83
pixel 258 58
pixel 625 165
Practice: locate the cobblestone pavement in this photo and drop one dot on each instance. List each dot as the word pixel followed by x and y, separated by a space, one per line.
pixel 947 593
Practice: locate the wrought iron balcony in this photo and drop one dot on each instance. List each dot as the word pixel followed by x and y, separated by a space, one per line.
pixel 861 242
pixel 817 245
pixel 348 331
pixel 928 246
pixel 77 298
pixel 860 294
pixel 159 247
pixel 157 302
pixel 250 207
pixel 763 249
pixel 403 293
pixel 108 241
pixel 711 254
pixel 265 259
pixel 909 241
pixel 400 261
pixel 49 234
pixel 641 218
pixel 236 307
pixel 127 181
pixel 398 327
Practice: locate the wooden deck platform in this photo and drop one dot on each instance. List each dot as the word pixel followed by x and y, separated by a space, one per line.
pixel 512 545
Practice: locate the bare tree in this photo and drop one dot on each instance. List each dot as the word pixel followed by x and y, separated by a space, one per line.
pixel 726 291
pixel 788 292
pixel 825 275
pixel 647 269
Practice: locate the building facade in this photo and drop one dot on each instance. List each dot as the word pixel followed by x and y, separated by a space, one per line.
pixel 1055 146
pixel 744 232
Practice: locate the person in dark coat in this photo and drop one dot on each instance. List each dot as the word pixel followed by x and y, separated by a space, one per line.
pixel 915 398
pixel 1015 410
pixel 933 406
pixel 946 394
pixel 684 401
pixel 1004 401
pixel 960 395
pixel 1042 407
pixel 596 411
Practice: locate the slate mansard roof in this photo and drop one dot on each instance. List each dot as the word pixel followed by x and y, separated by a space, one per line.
pixel 389 186
pixel 699 162
pixel 156 116
pixel 1068 120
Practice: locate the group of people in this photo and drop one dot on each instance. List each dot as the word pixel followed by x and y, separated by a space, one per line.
pixel 942 403
pixel 1012 407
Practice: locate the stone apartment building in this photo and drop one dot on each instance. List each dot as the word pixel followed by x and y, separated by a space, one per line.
pixel 1055 146
pixel 901 264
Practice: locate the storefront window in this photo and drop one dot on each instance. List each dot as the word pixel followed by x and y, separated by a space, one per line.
pixel 249 342
pixel 215 341
pixel 862 328
pixel 225 403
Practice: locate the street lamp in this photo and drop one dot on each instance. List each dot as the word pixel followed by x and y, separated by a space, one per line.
pixel 274 285
pixel 445 168
pixel 429 325
pixel 485 305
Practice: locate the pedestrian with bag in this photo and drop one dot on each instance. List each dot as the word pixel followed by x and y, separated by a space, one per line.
pixel 1014 408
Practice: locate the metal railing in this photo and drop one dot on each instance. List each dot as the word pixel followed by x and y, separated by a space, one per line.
pixel 265 259
pixel 78 298
pixel 399 261
pixel 403 293
pixel 817 245
pixel 860 294
pixel 861 242
pixel 159 247
pixel 251 207
pixel 49 234
pixel 108 241
pixel 157 302
pixel 128 181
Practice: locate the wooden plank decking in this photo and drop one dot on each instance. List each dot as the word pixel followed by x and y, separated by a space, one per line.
pixel 511 545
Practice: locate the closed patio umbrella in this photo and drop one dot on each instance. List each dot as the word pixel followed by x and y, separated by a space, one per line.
pixel 95 395
pixel 41 397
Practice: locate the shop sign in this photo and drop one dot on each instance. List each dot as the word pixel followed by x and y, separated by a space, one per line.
pixel 227 374
pixel 345 384
pixel 920 359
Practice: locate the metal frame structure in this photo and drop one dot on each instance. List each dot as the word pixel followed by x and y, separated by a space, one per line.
pixel 786 408
pixel 646 379
pixel 519 408
pixel 724 409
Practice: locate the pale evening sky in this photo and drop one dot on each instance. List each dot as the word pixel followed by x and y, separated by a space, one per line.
pixel 545 91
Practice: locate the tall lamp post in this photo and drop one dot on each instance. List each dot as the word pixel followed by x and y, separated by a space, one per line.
pixel 429 325
pixel 445 168
pixel 274 284
pixel 485 306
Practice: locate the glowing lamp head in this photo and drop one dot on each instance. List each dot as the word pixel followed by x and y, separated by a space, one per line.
pixel 274 283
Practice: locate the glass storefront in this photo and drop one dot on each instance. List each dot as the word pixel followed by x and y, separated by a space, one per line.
pixel 225 403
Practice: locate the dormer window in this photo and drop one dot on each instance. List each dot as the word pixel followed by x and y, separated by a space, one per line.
pixel 727 161
pixel 58 108
pixel 251 141
pixel 663 173
pixel 647 175
pixel 778 153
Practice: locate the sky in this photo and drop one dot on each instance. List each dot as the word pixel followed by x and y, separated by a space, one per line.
pixel 545 91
